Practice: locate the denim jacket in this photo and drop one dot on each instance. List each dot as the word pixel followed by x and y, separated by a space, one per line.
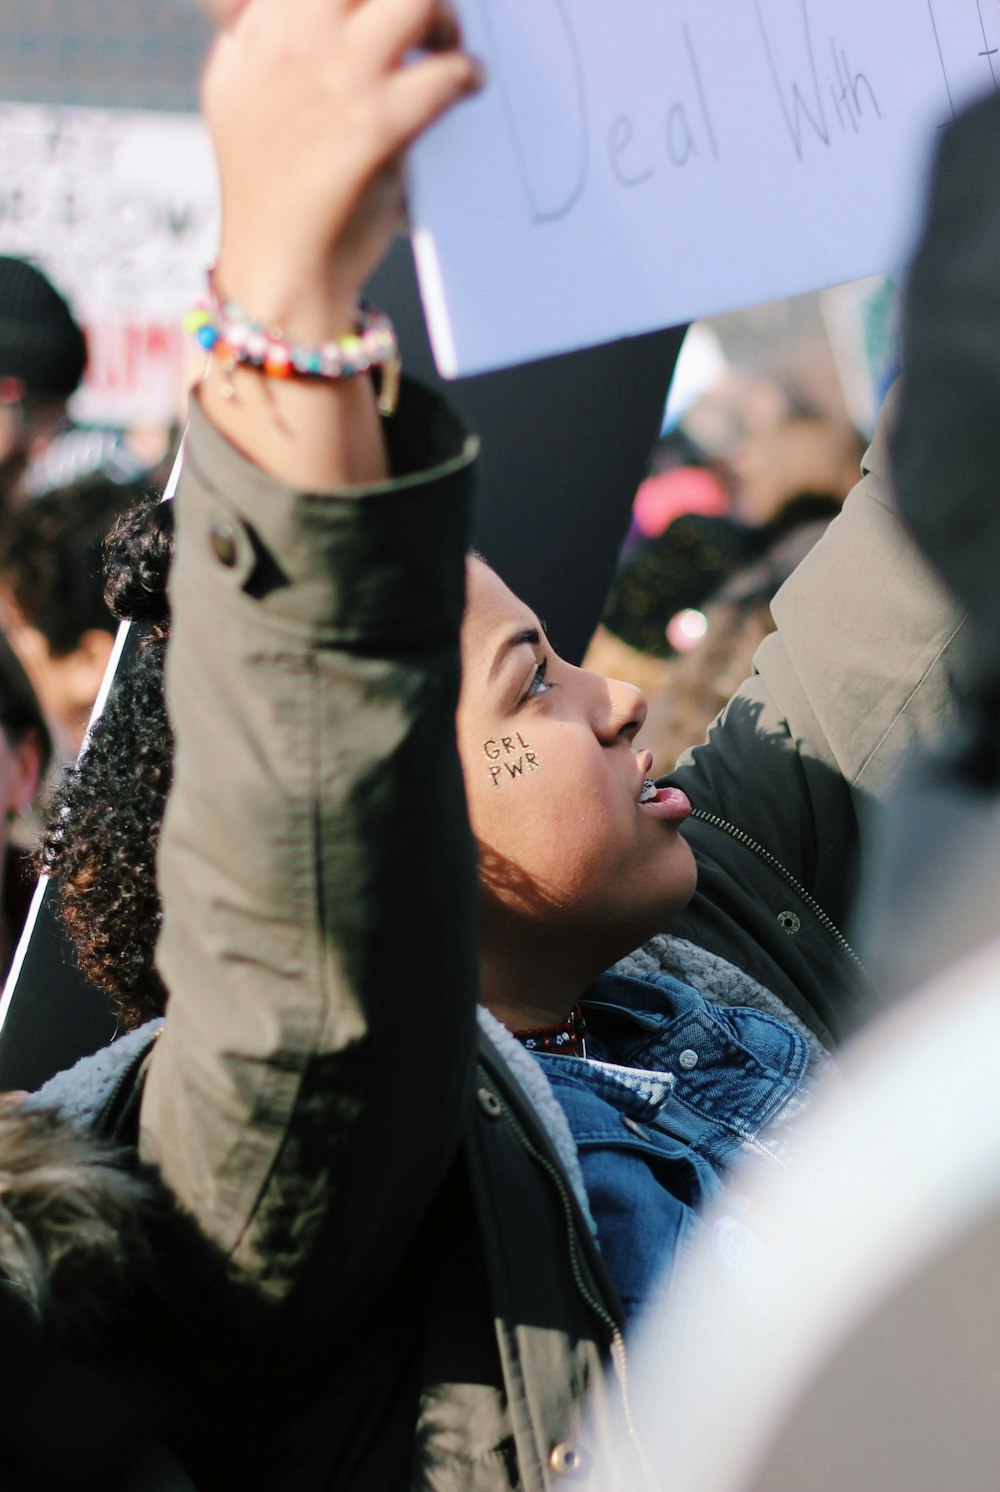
pixel 671 1088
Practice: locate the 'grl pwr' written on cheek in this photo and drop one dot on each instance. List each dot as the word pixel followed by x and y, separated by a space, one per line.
pixel 510 757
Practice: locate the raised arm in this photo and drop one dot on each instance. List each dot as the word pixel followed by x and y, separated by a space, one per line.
pixel 862 666
pixel 316 867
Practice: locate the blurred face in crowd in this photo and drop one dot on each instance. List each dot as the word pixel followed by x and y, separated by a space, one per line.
pixel 27 427
pixel 571 860
pixel 66 683
pixel 804 454
pixel 20 769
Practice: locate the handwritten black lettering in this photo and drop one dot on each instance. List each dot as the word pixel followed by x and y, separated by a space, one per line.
pixel 495 774
pixel 852 84
pixel 554 183
pixel 706 115
pixel 681 145
pixel 796 111
pixel 944 69
pixel 492 750
pixel 619 140
pixel 515 769
pixel 13 206
pixel 179 221
pixel 522 741
pixel 69 212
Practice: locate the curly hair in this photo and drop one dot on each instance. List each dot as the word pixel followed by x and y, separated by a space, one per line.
pixel 103 821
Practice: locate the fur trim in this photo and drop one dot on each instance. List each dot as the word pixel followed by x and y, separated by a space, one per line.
pixel 72 1222
pixel 718 980
pixel 81 1092
pixel 536 1085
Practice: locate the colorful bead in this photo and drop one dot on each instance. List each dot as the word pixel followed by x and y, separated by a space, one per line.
pixel 195 319
pixel 278 362
pixel 225 329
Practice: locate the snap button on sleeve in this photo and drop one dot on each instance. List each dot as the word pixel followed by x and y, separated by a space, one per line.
pixel 222 537
pixel 489 1103
pixel 789 922
pixel 687 1059
pixel 568 1460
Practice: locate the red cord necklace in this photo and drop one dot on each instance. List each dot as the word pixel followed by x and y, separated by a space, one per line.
pixel 568 1039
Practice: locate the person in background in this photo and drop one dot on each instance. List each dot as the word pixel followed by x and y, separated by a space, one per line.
pixel 808 454
pixel 52 604
pixel 25 750
pixel 42 360
pixel 789 482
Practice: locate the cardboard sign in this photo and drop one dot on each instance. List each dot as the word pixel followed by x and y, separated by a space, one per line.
pixel 639 164
pixel 120 209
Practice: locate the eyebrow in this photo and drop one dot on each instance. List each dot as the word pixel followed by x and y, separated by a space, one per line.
pixel 529 635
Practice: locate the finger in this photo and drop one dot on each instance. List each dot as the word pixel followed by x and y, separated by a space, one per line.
pixel 419 94
pixel 444 33
pixel 388 29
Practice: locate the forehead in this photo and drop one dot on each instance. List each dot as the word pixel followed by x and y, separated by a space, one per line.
pixel 492 611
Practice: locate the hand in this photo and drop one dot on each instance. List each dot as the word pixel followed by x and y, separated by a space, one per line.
pixel 310 106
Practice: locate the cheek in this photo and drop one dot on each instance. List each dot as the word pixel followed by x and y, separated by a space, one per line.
pixel 498 768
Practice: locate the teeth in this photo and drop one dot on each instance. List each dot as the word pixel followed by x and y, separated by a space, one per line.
pixel 649 791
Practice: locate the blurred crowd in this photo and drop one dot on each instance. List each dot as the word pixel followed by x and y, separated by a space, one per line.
pixel 406 839
pixel 62 489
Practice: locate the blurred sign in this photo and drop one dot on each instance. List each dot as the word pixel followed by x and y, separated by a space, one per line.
pixel 641 164
pixel 120 210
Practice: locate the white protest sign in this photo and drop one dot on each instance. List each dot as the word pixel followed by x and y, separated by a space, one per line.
pixel 119 207
pixel 634 164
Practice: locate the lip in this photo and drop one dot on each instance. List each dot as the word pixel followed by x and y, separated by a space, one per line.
pixel 669 804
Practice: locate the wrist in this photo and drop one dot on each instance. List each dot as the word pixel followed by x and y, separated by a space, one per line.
pixel 239 339
pixel 305 305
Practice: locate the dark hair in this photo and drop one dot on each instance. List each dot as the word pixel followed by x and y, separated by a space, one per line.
pixel 50 557
pixel 20 712
pixel 40 341
pixel 104 820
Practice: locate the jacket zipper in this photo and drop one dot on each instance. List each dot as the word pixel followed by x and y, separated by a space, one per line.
pixel 619 1355
pixel 744 839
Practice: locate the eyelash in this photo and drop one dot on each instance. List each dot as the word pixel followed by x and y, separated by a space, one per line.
pixel 538 677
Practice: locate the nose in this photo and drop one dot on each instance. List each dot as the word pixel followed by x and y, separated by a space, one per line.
pixel 619 710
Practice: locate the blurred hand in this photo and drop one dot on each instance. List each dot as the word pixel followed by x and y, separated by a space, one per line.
pixel 311 106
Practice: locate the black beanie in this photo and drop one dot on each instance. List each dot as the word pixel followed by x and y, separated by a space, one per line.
pixel 40 342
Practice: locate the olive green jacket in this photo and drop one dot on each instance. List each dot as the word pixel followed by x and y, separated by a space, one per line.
pixel 403 1289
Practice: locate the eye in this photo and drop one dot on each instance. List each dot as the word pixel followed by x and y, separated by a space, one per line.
pixel 538 683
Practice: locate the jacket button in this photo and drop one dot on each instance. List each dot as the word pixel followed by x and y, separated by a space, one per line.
pixel 568 1460
pixel 789 922
pixel 489 1103
pixel 687 1059
pixel 222 537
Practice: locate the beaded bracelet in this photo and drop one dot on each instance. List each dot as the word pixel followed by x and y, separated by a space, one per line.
pixel 229 333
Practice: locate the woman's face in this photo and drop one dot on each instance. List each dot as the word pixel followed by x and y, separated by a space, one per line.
pixel 553 786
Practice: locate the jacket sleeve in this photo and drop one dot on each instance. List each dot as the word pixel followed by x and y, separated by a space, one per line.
pixel 316 867
pixel 863 664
